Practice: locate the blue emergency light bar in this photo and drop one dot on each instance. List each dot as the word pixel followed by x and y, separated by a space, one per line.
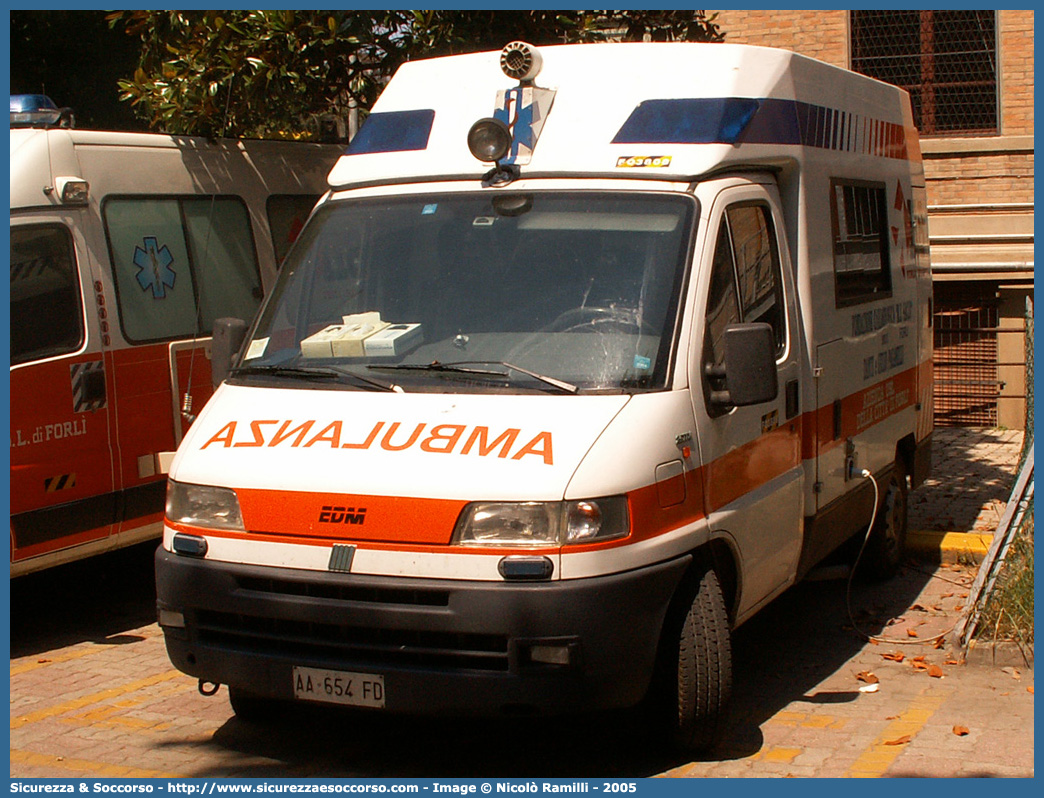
pixel 38 110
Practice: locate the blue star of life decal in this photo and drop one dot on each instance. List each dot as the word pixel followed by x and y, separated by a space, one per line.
pixel 154 270
pixel 522 124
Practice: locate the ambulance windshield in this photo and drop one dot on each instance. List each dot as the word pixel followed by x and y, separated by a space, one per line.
pixel 483 292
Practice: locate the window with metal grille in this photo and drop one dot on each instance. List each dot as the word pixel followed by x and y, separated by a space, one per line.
pixel 859 218
pixel 946 60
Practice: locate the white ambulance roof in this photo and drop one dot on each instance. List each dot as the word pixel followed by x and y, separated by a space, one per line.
pixel 136 163
pixel 706 106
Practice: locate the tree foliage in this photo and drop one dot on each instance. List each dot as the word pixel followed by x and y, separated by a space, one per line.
pixel 273 74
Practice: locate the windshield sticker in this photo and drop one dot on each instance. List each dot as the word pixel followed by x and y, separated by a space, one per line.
pixel 256 348
pixel 154 270
pixel 428 210
pixel 643 161
pixel 483 221
pixel 642 363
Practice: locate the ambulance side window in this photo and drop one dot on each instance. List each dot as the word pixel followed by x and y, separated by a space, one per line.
pixel 722 304
pixel 181 262
pixel 46 311
pixel 859 219
pixel 745 285
pixel 758 269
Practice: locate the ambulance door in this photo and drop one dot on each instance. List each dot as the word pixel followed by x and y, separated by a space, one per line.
pixel 177 263
pixel 62 482
pixel 752 470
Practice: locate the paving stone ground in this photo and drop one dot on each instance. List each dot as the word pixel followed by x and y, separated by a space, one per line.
pixel 93 694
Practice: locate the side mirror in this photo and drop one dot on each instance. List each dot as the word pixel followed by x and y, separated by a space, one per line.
pixel 750 366
pixel 226 343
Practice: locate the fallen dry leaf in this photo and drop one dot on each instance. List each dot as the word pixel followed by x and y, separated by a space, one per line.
pixel 918 608
pixel 899 740
pixel 895 656
pixel 952 662
pixel 868 677
pixel 1030 690
pixel 939 643
pixel 911 633
pixel 935 671
pixel 960 731
pixel 947 595
pixel 958 607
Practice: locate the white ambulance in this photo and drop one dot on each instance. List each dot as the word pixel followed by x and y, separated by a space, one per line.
pixel 124 248
pixel 591 353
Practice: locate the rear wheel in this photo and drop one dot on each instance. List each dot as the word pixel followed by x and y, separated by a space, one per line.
pixel 887 542
pixel 703 668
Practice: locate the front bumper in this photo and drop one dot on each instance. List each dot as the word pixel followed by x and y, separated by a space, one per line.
pixel 442 646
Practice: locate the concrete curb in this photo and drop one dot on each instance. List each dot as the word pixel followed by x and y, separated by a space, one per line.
pixel 999 653
pixel 950 547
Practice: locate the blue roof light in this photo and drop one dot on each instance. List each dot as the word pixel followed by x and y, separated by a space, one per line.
pixel 697 120
pixel 24 103
pixel 34 110
pixel 393 131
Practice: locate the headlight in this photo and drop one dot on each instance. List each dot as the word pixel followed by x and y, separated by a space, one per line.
pixel 203 506
pixel 542 524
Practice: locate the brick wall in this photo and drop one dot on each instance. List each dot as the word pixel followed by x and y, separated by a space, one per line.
pixel 818 34
pixel 1016 65
pixel 979 179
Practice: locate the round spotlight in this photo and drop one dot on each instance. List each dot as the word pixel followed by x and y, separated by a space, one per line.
pixel 521 61
pixel 489 140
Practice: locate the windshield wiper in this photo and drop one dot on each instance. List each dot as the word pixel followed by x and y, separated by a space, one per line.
pixel 464 367
pixel 317 373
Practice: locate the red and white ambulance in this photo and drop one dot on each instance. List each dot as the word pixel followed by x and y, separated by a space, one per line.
pixel 591 352
pixel 124 248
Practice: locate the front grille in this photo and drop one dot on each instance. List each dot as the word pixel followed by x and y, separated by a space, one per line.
pixel 352 646
pixel 341 592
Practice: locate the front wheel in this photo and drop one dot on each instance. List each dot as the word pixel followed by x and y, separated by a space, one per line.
pixel 703 669
pixel 887 542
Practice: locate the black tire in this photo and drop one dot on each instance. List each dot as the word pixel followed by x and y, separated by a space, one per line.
pixel 886 545
pixel 252 708
pixel 703 681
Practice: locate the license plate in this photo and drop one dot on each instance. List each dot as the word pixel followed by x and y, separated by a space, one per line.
pixel 339 687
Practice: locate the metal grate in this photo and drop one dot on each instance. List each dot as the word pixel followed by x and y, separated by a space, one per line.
pixel 946 60
pixel 352 646
pixel 966 383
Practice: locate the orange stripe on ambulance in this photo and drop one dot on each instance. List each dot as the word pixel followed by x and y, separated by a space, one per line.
pixel 439 439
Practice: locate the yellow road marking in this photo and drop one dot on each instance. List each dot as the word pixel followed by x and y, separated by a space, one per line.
pixel 107 716
pixel 75 653
pixel 779 754
pixel 810 721
pixel 86 766
pixel 876 759
pixel 94 698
